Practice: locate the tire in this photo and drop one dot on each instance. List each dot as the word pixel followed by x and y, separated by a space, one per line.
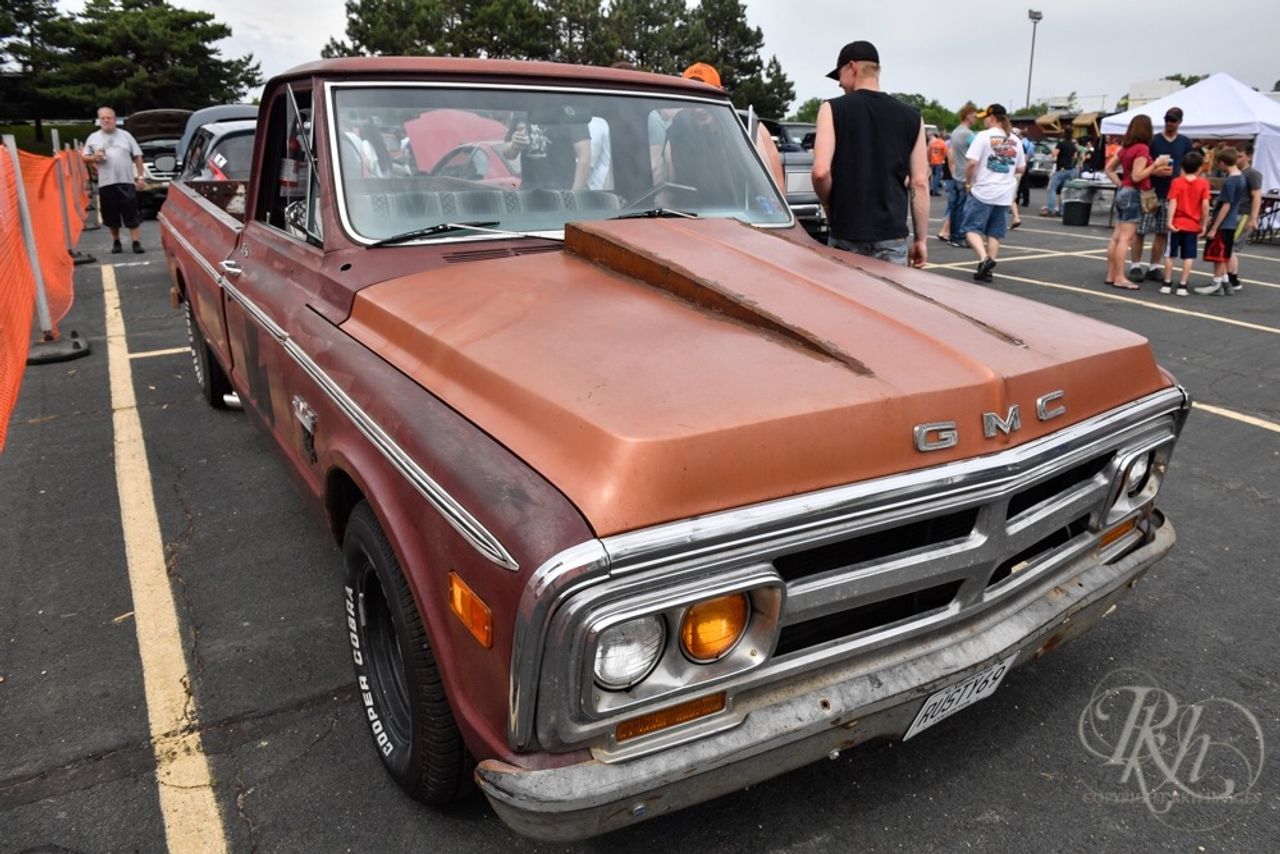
pixel 214 385
pixel 402 697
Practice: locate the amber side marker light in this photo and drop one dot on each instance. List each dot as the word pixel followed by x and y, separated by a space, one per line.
pixel 470 608
pixel 669 717
pixel 1109 537
pixel 711 628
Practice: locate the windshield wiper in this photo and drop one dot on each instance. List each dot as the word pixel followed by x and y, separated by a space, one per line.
pixel 656 212
pixel 439 228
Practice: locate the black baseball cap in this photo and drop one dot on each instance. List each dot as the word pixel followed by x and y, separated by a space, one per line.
pixel 859 51
pixel 996 110
pixel 1173 114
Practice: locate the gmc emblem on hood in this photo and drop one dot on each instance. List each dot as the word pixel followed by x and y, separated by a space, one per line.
pixel 937 435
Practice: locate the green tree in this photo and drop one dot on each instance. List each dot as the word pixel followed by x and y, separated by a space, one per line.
pixel 580 32
pixel 24 36
pixel 808 111
pixel 719 34
pixel 507 29
pixel 140 54
pixel 391 27
pixel 931 111
pixel 651 33
pixel 1185 79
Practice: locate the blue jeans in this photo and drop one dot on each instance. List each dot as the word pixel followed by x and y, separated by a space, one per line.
pixel 935 179
pixel 893 251
pixel 1059 178
pixel 955 203
pixel 985 219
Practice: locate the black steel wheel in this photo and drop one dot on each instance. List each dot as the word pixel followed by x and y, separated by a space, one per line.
pixel 401 695
pixel 214 385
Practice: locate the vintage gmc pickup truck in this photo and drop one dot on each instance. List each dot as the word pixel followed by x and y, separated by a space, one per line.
pixel 643 495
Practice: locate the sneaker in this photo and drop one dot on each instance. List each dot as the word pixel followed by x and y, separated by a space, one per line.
pixel 1166 288
pixel 116 248
pixel 1182 291
pixel 959 244
pixel 137 248
pixel 1135 274
pixel 1155 274
pixel 985 266
pixel 1211 289
pixel 1235 287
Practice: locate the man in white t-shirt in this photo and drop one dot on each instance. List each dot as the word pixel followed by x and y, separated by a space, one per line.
pixel 995 163
pixel 118 159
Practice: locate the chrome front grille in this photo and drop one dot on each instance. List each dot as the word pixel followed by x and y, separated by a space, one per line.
pixel 889 565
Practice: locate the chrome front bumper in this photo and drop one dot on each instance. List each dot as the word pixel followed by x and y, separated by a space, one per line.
pixel 789 725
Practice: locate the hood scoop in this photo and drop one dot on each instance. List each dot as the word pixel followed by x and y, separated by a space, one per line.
pixel 648 254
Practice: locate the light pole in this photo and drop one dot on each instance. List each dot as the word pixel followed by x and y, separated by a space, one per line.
pixel 1035 17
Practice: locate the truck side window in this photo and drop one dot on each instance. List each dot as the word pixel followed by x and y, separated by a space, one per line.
pixel 290 193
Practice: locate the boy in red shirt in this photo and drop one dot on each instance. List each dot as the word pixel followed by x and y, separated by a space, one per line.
pixel 1188 216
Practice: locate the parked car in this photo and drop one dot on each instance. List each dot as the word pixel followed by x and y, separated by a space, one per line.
pixel 1040 164
pixel 797 167
pixel 797 133
pixel 642 495
pixel 207 115
pixel 157 133
pixel 221 151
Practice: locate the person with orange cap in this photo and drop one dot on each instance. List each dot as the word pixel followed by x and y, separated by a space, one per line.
pixel 705 73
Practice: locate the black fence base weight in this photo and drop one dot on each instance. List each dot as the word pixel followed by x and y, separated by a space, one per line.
pixel 68 347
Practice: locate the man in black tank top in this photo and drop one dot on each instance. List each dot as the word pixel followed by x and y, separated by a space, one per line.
pixel 869 148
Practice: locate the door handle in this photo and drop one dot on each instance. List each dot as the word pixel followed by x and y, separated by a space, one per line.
pixel 231 268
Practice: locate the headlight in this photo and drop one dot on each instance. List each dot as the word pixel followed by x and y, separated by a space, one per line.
pixel 1136 478
pixel 711 628
pixel 625 653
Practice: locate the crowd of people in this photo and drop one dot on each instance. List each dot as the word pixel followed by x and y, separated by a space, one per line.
pixel 873 161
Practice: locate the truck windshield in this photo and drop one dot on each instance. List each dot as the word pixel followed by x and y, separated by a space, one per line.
pixel 409 157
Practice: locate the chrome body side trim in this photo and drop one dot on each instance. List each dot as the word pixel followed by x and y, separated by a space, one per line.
pixel 213 273
pixel 453 512
pixel 550 636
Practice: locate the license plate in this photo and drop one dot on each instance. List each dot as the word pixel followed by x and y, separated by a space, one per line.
pixel 945 703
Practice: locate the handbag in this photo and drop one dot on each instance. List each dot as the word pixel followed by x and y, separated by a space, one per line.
pixel 1150 201
pixel 1215 250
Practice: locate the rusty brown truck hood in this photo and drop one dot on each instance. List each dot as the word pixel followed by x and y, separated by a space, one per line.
pixel 660 369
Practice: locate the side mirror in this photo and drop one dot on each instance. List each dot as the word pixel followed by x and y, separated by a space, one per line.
pixel 807 142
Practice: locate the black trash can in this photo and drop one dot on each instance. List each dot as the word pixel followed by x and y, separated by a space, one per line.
pixel 1077 202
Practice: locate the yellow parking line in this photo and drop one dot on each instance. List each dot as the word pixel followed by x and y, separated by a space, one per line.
pixel 171 351
pixel 1239 416
pixel 191 818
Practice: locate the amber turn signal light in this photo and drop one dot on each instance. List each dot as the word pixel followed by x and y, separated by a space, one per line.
pixel 711 628
pixel 669 717
pixel 1109 537
pixel 470 608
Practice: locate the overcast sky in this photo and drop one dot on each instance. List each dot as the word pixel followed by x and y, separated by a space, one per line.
pixel 952 52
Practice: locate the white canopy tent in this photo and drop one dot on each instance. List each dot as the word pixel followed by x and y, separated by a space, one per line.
pixel 1219 107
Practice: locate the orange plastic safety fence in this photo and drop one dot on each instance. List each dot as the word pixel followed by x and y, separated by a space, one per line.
pixel 17 295
pixel 75 217
pixel 40 178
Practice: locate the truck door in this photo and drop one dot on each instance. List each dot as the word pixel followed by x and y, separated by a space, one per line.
pixel 275 268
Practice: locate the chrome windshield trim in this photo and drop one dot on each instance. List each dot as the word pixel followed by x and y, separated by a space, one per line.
pixel 331 124
pixel 453 512
pixel 724 540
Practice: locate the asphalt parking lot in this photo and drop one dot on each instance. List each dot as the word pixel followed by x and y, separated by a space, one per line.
pixel 255 583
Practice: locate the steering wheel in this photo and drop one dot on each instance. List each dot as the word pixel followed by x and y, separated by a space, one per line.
pixel 653 191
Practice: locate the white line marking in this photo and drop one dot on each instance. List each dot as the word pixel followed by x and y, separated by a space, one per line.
pixel 132 264
pixel 191 818
pixel 1102 292
pixel 1238 416
pixel 172 351
pixel 1042 254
